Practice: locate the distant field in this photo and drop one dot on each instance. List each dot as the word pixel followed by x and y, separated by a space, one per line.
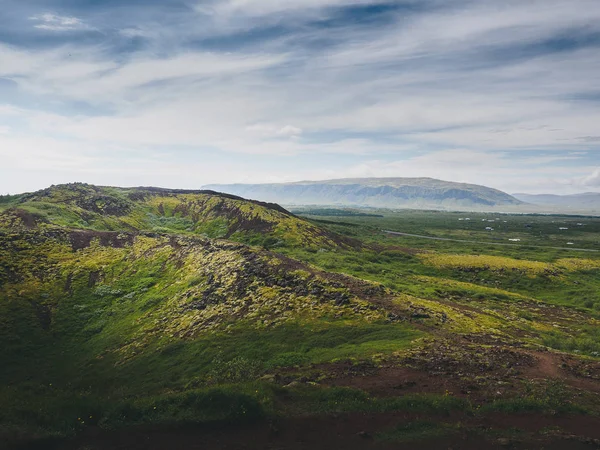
pixel 332 212
pixel 529 229
pixel 479 272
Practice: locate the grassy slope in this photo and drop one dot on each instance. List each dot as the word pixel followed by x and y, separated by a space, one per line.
pixel 516 285
pixel 136 327
pixel 89 317
pixel 168 211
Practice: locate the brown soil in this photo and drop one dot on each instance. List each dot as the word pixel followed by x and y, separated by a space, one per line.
pixel 565 368
pixel 363 430
pixel 28 219
pixel 351 431
pixel 17 217
pixel 83 238
pixel 394 381
pixel 498 374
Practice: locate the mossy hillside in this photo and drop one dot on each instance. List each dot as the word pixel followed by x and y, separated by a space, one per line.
pixel 100 326
pixel 119 298
pixel 511 300
pixel 143 293
pixel 113 324
pixel 168 211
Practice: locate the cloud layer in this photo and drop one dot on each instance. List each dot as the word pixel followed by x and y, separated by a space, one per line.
pixel 52 22
pixel 181 93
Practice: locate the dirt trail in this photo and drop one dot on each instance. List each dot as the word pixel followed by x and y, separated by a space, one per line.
pixel 556 366
pixel 546 367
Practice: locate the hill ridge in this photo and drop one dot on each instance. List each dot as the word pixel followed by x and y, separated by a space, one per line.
pixel 377 192
pixel 204 212
pixel 585 201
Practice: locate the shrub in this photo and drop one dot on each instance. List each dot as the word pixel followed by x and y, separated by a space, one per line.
pixel 104 290
pixel 236 369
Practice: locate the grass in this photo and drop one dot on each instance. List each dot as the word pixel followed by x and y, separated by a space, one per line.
pixel 217 368
pixel 34 412
pixel 244 354
pixel 167 327
pixel 532 229
pixel 426 268
pixel 533 405
pixel 56 413
pixel 586 341
pixel 344 399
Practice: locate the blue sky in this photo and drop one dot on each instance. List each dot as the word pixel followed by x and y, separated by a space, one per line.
pixel 183 93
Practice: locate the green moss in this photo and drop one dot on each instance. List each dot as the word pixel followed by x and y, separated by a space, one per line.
pixel 114 324
pixel 585 341
pixel 214 215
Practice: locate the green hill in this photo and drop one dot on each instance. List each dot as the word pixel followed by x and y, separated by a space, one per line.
pixel 118 309
pixel 107 298
pixel 207 213
pixel 94 320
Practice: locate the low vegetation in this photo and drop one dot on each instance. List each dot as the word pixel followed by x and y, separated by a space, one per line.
pixel 118 307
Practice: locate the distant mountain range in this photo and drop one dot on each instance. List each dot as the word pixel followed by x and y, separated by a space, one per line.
pixel 376 192
pixel 587 201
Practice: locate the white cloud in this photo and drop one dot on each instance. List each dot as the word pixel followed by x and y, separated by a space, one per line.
pixel 445 82
pixel 135 32
pixel 266 7
pixel 289 131
pixel 464 107
pixel 15 61
pixel 269 130
pixel 472 26
pixel 87 75
pixel 54 22
pixel 592 180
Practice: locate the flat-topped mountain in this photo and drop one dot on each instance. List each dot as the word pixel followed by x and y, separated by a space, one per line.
pixel 377 192
pixel 574 202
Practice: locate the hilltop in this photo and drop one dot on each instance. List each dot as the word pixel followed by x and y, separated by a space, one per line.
pixel 200 212
pixel 125 319
pixel 376 192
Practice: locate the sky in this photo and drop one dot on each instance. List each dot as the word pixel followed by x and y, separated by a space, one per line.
pixel 182 93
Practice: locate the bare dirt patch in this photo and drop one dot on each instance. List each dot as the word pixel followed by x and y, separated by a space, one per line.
pixel 577 373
